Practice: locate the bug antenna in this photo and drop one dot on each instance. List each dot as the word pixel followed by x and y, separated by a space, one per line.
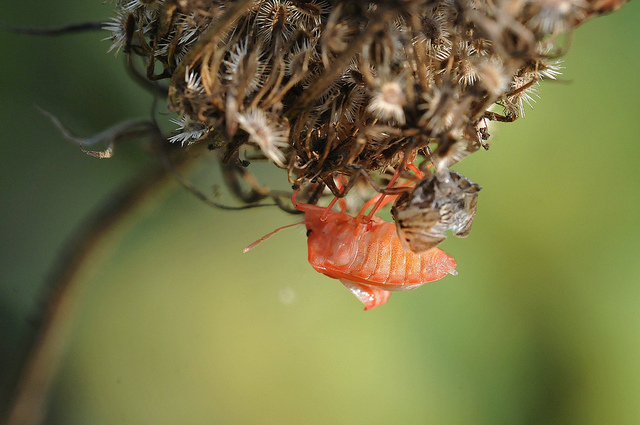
pixel 268 235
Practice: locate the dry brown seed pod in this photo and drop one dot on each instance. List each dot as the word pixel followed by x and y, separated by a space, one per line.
pixel 441 202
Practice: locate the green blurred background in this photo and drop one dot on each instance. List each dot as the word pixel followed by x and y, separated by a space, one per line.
pixel 177 326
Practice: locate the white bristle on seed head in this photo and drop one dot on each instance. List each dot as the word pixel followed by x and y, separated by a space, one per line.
pixel 388 102
pixel 267 134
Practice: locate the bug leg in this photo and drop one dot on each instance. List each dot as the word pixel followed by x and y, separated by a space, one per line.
pixel 368 295
pixel 342 183
pixel 379 199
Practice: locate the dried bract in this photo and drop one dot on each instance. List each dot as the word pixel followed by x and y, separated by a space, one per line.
pixel 441 202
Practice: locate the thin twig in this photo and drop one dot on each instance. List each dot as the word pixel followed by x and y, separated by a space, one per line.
pixel 55 31
pixel 170 167
pixel 125 130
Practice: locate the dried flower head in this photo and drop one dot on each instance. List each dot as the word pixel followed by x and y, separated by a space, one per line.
pixel 331 90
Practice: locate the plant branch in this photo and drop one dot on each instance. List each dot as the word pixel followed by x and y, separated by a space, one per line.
pixel 28 405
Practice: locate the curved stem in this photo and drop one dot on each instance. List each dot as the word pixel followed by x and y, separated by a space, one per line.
pixel 28 405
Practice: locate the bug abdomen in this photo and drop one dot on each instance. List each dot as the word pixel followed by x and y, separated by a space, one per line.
pixel 373 261
pixel 382 260
pixel 371 254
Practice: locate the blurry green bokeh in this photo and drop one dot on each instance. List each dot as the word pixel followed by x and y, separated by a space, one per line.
pixel 177 326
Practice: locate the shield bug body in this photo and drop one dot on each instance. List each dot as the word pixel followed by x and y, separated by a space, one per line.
pixel 366 255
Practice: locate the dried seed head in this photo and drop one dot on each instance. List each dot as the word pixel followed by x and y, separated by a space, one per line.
pixel 193 83
pixel 121 27
pixel 523 89
pixel 309 12
pixel 326 88
pixel 388 101
pixel 355 99
pixel 189 131
pixel 542 67
pixel 275 17
pixel 297 61
pixel 268 134
pixel 142 6
pixel 492 76
pixel 336 35
pixel 444 108
pixel 467 72
pixel 434 36
pixel 553 16
pixel 244 68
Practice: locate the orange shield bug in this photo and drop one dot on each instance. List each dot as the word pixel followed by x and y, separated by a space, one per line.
pixel 367 256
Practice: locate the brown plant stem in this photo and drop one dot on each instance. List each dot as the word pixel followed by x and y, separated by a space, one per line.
pixel 28 405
